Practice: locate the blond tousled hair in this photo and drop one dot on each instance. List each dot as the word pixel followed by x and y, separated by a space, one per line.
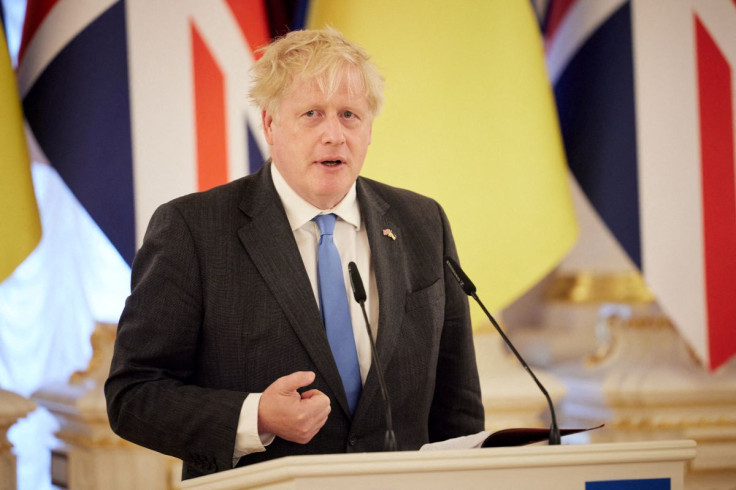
pixel 324 55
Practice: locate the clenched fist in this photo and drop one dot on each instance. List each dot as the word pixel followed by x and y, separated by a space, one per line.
pixel 286 413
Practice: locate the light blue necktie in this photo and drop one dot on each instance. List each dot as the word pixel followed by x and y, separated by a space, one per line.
pixel 335 311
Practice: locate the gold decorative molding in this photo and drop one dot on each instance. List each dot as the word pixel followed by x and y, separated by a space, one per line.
pixel 86 441
pixel 604 351
pixel 588 287
pixel 5 445
pixel 102 340
pixel 601 353
pixel 645 322
pixel 639 423
pixel 641 322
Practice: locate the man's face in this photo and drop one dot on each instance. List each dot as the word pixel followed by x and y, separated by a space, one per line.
pixel 319 144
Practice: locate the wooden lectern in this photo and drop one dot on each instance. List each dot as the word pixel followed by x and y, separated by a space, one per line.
pixel 656 465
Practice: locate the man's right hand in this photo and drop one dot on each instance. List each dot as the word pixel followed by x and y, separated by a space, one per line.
pixel 286 413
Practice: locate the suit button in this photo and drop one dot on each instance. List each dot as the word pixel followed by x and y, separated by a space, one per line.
pixel 353 441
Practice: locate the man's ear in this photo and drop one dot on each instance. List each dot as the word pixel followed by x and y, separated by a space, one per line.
pixel 267 123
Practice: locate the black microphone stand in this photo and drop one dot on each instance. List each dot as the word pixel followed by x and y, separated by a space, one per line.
pixel 469 288
pixel 389 442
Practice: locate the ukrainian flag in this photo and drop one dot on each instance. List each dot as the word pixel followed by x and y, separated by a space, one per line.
pixel 20 226
pixel 469 120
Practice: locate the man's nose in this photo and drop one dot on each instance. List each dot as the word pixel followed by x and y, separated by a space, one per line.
pixel 333 130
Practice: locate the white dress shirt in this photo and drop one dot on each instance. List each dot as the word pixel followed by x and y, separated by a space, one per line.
pixel 351 240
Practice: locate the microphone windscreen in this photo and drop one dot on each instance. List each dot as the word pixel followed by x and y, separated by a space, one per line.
pixel 356 283
pixel 465 283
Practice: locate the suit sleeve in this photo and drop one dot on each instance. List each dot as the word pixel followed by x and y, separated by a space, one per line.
pixel 457 407
pixel 152 396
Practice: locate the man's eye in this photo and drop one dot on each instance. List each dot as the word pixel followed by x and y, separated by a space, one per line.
pixel 310 113
pixel 348 115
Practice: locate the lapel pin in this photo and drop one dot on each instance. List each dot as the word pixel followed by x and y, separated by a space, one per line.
pixel 387 232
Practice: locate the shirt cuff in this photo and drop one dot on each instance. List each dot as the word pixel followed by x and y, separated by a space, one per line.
pixel 247 438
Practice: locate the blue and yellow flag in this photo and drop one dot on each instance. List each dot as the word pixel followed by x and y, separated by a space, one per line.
pixel 469 120
pixel 20 226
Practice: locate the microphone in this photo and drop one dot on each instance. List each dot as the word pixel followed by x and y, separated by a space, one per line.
pixel 469 288
pixel 389 443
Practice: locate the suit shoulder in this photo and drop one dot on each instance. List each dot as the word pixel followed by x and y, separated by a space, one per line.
pixel 207 210
pixel 225 193
pixel 397 195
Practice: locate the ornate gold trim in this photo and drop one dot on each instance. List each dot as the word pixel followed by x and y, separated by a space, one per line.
pixel 86 441
pixel 102 340
pixel 5 445
pixel 588 287
pixel 615 323
pixel 643 424
pixel 640 322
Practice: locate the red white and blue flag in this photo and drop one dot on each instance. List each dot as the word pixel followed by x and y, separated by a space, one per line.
pixel 137 102
pixel 646 95
pixel 131 103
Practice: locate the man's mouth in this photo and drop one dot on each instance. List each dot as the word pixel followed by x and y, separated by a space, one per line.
pixel 331 163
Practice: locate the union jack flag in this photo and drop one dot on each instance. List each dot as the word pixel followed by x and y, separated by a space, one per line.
pixel 645 92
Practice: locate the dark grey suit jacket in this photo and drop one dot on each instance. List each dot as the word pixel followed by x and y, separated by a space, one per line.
pixel 221 306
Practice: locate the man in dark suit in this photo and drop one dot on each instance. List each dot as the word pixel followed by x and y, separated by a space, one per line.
pixel 225 353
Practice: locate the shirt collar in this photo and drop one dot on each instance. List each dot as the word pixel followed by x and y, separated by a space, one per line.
pixel 299 212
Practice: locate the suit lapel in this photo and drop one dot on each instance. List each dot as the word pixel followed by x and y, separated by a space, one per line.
pixel 387 256
pixel 270 243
